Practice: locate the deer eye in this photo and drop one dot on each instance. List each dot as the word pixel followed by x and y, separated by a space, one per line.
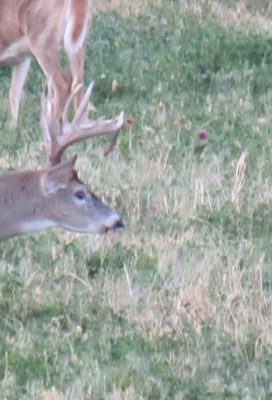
pixel 80 195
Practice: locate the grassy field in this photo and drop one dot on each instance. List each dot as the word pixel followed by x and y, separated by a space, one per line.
pixel 179 305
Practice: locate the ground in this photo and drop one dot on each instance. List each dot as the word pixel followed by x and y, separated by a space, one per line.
pixel 178 305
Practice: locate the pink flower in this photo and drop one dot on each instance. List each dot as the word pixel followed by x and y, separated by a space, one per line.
pixel 203 135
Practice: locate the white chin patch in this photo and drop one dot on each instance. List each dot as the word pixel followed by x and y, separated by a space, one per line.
pixel 34 226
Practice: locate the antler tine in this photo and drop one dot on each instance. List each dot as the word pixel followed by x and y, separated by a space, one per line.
pixel 58 139
pixel 69 101
pixel 95 128
pixel 83 105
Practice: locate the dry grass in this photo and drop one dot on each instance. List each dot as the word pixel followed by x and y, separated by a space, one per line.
pixel 240 16
pixel 228 13
pixel 126 8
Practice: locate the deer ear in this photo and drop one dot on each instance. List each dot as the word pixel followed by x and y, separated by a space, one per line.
pixel 57 176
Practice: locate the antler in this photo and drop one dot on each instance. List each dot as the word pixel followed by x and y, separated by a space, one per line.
pixel 58 135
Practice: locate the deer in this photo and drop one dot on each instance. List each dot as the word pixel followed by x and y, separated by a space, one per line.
pixel 40 29
pixel 32 201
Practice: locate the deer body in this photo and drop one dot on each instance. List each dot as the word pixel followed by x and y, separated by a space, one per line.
pixel 32 201
pixel 39 28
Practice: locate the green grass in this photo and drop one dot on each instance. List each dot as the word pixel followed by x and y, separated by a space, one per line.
pixel 179 305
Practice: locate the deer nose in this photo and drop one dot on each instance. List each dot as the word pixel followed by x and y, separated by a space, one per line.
pixel 119 224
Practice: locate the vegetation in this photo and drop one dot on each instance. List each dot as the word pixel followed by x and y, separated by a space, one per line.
pixel 178 305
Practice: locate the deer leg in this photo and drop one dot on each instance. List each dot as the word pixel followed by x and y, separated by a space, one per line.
pixel 76 61
pixel 19 75
pixel 61 83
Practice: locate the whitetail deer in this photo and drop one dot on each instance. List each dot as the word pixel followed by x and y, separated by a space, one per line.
pixel 39 29
pixel 31 201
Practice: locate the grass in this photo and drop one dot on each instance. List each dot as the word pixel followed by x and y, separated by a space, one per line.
pixel 179 305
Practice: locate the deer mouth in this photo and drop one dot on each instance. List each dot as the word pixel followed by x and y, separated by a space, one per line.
pixel 117 225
